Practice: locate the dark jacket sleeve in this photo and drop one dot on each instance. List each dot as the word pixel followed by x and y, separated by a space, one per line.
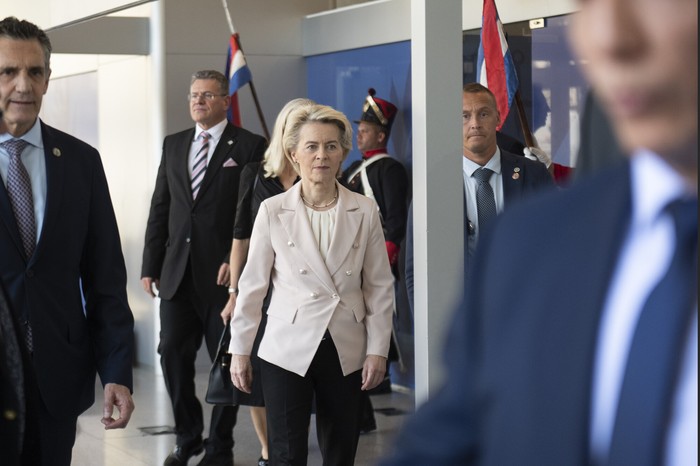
pixel 243 225
pixel 157 227
pixel 103 278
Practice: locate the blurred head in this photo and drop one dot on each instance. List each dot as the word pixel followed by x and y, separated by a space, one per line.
pixel 208 98
pixel 275 161
pixel 480 118
pixel 641 58
pixel 25 54
pixel 334 134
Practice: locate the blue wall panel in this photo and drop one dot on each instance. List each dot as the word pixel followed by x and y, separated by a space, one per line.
pixel 341 80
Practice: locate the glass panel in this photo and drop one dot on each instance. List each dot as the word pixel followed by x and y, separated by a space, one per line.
pixel 552 89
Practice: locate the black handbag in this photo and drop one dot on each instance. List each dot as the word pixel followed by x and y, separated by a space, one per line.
pixel 220 390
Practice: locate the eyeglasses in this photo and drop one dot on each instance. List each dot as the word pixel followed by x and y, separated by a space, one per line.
pixel 203 95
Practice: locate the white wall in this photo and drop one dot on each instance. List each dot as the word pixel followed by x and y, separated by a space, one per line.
pixel 386 21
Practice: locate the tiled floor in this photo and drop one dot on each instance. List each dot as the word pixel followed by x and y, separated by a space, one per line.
pixel 132 447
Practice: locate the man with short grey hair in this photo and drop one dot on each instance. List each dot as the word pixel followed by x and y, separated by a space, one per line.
pixel 62 265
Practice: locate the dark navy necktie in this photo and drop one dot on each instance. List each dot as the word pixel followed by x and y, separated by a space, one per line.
pixel 485 199
pixel 653 364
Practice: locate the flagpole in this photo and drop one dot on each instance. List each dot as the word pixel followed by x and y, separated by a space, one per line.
pixel 524 126
pixel 252 86
pixel 522 116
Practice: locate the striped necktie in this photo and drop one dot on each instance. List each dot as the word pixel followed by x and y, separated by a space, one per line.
pixel 199 166
pixel 19 190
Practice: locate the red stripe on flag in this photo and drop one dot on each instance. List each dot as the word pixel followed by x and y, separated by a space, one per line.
pixel 235 111
pixel 493 56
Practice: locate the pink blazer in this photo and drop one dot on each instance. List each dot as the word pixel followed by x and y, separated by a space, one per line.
pixel 351 294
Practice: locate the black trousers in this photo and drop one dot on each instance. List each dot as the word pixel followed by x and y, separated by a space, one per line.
pixel 57 438
pixel 184 321
pixel 289 397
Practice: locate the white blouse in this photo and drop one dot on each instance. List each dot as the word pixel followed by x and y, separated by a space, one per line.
pixel 322 224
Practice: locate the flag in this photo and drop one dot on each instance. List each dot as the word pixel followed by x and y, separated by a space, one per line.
pixel 495 68
pixel 238 75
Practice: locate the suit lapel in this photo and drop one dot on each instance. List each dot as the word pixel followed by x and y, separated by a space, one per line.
pixel 512 176
pixel 182 158
pixel 295 222
pixel 8 218
pixel 54 155
pixel 347 223
pixel 589 267
pixel 221 152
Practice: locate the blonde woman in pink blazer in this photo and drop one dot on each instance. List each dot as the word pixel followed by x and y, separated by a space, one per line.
pixel 321 249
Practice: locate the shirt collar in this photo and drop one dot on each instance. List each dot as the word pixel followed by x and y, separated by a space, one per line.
pixel 654 185
pixel 494 164
pixel 371 153
pixel 33 136
pixel 215 131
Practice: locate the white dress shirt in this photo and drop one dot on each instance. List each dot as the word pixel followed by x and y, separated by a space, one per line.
pixel 215 133
pixel 34 162
pixel 470 185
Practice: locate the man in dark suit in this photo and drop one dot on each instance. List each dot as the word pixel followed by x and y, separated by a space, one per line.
pixel 577 342
pixel 62 264
pixel 513 177
pixel 186 253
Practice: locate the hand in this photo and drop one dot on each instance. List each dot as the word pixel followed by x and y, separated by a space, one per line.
pixel 117 396
pixel 392 250
pixel 224 276
pixel 535 153
pixel 147 283
pixel 241 372
pixel 373 371
pixel 227 313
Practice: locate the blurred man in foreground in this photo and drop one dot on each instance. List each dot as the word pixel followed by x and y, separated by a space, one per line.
pixel 593 359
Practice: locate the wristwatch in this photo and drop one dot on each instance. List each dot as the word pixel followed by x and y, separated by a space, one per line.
pixel 232 290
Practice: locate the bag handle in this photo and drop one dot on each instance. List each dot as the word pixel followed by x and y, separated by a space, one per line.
pixel 224 341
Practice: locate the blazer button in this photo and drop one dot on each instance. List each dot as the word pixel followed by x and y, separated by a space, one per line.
pixel 356 245
pixel 348 272
pixel 334 296
pixel 188 241
pixel 290 244
pixel 313 295
pixel 302 271
pixel 9 414
pixel 30 273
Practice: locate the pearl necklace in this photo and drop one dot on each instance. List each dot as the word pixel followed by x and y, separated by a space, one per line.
pixel 312 205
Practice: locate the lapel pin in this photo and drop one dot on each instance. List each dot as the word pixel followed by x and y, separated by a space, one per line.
pixel 56 151
pixel 516 176
pixel 230 141
pixel 516 169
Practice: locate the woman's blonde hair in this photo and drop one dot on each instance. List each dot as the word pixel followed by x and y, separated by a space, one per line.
pixel 316 113
pixel 275 161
